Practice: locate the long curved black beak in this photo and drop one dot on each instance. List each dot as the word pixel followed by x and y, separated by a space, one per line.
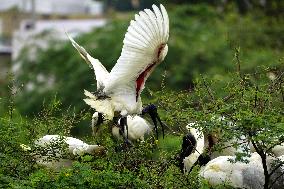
pixel 153 112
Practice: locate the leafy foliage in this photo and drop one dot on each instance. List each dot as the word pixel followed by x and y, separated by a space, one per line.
pixel 253 104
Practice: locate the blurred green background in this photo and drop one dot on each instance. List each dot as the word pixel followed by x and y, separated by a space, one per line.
pixel 203 38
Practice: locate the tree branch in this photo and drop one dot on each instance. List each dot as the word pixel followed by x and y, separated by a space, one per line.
pixel 208 89
pixel 273 182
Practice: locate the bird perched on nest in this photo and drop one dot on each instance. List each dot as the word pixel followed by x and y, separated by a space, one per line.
pixel 144 48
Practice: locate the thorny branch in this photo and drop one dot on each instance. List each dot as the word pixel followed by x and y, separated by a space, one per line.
pixel 273 182
pixel 237 56
pixel 209 91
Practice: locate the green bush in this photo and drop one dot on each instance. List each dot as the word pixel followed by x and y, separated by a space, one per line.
pixel 254 104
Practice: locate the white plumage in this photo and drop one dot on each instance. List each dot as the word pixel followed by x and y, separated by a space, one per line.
pixel 239 175
pixel 242 175
pixel 278 150
pixel 137 129
pixel 54 156
pixel 144 47
pixel 75 146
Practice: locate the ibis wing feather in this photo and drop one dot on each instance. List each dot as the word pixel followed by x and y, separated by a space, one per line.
pixel 143 46
pixel 102 106
pixel 159 20
pixel 100 71
pixel 90 95
pixel 166 21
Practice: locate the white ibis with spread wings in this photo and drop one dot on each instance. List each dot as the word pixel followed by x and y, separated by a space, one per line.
pixel 144 47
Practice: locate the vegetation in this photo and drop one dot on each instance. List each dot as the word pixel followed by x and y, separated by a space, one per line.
pixel 252 102
pixel 215 67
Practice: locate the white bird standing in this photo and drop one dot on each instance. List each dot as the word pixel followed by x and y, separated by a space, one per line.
pixel 144 47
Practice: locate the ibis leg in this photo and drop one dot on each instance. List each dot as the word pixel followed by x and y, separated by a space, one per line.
pixel 95 125
pixel 123 124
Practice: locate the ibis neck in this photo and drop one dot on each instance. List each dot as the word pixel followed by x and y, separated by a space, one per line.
pixel 199 149
pixel 200 140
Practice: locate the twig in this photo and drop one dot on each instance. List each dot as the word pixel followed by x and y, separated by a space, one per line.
pixel 282 92
pixel 275 168
pixel 273 182
pixel 255 96
pixel 237 56
pixel 263 160
pixel 226 98
pixel 270 148
pixel 208 89
pixel 240 143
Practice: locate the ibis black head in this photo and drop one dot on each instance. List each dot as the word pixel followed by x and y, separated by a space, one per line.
pixel 149 109
pixel 152 111
pixel 203 159
pixel 187 148
pixel 188 144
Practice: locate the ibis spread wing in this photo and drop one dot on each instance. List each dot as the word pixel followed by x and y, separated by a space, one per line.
pixel 101 105
pixel 144 45
pixel 100 71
